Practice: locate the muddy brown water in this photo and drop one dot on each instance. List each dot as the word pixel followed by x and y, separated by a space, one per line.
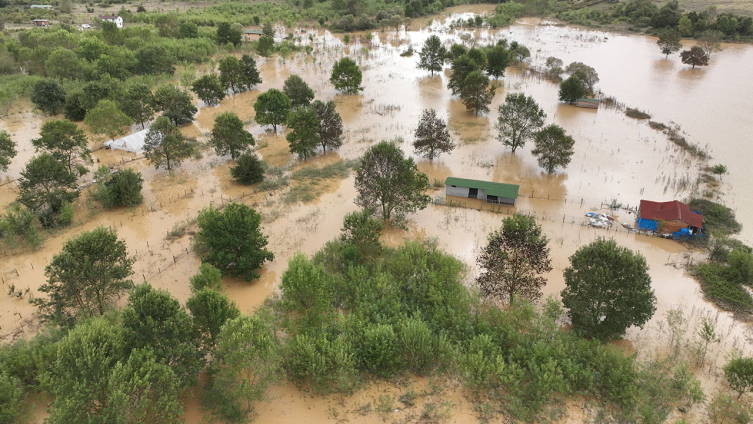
pixel 616 157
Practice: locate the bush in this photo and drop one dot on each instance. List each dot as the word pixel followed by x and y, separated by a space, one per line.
pixel 378 350
pixel 19 227
pixel 717 218
pixel 248 169
pixel 208 277
pixel 122 189
pixel 719 289
pixel 417 346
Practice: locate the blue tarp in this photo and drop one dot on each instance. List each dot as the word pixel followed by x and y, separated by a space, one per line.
pixel 647 224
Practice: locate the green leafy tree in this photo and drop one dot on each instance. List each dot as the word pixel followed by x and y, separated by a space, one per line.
pixel 346 76
pixel 229 136
pixel 513 260
pixel 137 103
pixel 268 30
pixel 153 319
pixel 63 63
pixel 164 145
pixel 87 277
pixel 121 189
pixel 11 398
pixel 49 96
pixel 362 231
pixel 94 91
pixel 239 75
pixel 571 90
pixel 669 42
pixel 554 148
pixel 64 141
pixel 74 109
pixel 432 136
pixel 107 119
pixel 461 68
pixel 210 310
pixel 607 290
pixel 330 125
pixel 739 375
pixel 497 60
pixel 248 361
pixel 586 74
pixel 228 33
pixel 519 53
pixel 696 56
pixel 154 59
pixel 554 66
pixel 520 117
pixel 711 41
pixel 7 150
pixel 299 93
pixel 685 26
pixel 272 108
pixel 250 73
pixel 432 55
pixel 265 46
pixel 248 169
pixel 188 30
pixel 232 241
pixel 45 186
pixel 208 277
pixel 476 94
pixel 20 227
pixel 209 89
pixel 175 104
pixel 305 135
pixel 390 183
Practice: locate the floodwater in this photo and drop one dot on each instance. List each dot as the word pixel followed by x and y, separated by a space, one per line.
pixel 616 157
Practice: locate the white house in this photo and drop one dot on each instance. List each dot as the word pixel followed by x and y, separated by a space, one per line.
pixel 117 20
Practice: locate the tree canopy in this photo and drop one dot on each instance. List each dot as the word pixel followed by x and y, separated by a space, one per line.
pixel 164 145
pixel 696 56
pixel 65 141
pixel 520 117
pixel 239 75
pixel 513 260
pixel 175 104
pixel 476 94
pixel 571 90
pixel 346 76
pixel 229 136
pixel 586 74
pixel 272 108
pixel 330 125
pixel 138 103
pixel 45 186
pixel 209 89
pixel 669 41
pixel 248 169
pixel 432 55
pixel 49 96
pixel 553 148
pixel 497 60
pixel 739 375
pixel 107 119
pixel 299 93
pixel 389 183
pixel 7 150
pixel 432 136
pixel 607 290
pixel 304 138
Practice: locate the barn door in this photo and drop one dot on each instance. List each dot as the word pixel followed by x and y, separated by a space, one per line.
pixel 472 193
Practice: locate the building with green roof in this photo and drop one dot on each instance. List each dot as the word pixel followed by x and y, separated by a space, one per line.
pixel 496 193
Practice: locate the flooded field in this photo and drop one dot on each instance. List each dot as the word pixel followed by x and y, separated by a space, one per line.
pixel 616 157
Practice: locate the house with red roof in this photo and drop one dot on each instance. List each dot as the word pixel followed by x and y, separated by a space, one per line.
pixel 668 217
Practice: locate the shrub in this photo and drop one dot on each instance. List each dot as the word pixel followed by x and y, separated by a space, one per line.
pixel 248 169
pixel 417 345
pixel 19 227
pixel 208 277
pixel 122 189
pixel 378 350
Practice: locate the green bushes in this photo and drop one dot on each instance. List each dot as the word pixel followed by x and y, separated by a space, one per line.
pixel 248 169
pixel 121 189
pixel 19 227
pixel 719 287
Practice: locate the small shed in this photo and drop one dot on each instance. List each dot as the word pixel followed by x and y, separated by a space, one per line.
pixel 252 34
pixel 131 143
pixel 41 22
pixel 40 6
pixel 587 103
pixel 117 20
pixel 496 193
pixel 668 217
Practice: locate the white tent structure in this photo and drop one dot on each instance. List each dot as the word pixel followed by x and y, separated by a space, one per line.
pixel 132 143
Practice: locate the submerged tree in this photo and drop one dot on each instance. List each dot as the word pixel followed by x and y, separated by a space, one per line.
pixel 210 310
pixel 272 108
pixel 586 74
pixel 571 90
pixel 239 75
pixel 476 94
pixel 513 261
pixel 346 76
pixel 137 103
pixel 86 278
pixel 164 145
pixel 7 150
pixel 209 89
pixel 607 290
pixel 175 104
pixel 711 41
pixel 248 169
pixel 669 42
pixel 461 68
pixel 554 148
pixel 696 56
pixel 65 141
pixel 520 117
pixel 107 119
pixel 497 60
pixel 45 186
pixel 299 93
pixel 305 135
pixel 362 231
pixel 229 136
pixel 739 375
pixel 432 136
pixel 432 55
pixel 389 183
pixel 330 125
pixel 231 240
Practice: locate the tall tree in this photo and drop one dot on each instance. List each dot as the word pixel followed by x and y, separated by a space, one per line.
pixel 432 136
pixel 231 240
pixel 137 103
pixel 330 125
pixel 432 55
pixel 554 148
pixel 272 108
pixel 49 96
pixel 346 76
pixel 696 56
pixel 669 42
pixel 461 68
pixel 248 169
pixel 229 136
pixel 711 41
pixel 175 104
pixel 586 74
pixel 7 150
pixel 265 46
pixel 476 94
pixel 571 90
pixel 519 119
pixel 228 33
pixel 164 145
pixel 513 261
pixel 251 75
pixel 87 277
pixel 362 231
pixel 64 141
pixel 497 60
pixel 45 186
pixel 107 119
pixel 231 74
pixel 154 59
pixel 153 319
pixel 305 135
pixel 389 183
pixel 607 290
pixel 209 89
pixel 210 310
pixel 299 93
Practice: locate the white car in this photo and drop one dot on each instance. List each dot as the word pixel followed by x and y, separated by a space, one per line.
pixel 85 26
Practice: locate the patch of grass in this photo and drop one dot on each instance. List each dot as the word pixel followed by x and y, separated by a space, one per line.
pixel 728 295
pixel 408 398
pixel 437 183
pixel 717 217
pixel 364 409
pixel 637 114
pixel 339 169
pixel 275 183
pixel 180 229
pixel 385 404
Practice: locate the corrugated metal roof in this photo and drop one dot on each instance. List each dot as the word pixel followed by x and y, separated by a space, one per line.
pixel 583 99
pixel 490 188
pixel 670 211
pixel 253 31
